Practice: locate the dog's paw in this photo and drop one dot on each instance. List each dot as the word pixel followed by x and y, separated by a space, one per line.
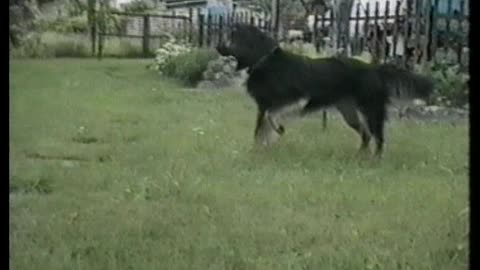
pixel 363 152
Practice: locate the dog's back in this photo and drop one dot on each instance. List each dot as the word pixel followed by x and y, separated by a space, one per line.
pixel 282 77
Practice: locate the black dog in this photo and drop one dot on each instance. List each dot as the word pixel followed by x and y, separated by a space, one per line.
pixel 278 78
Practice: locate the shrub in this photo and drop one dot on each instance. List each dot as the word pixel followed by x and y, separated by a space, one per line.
pixel 77 24
pixel 189 67
pixel 451 84
pixel 123 47
pixel 167 52
pixel 22 19
pixel 67 45
pixel 136 6
pixel 182 62
pixel 31 47
pixel 50 44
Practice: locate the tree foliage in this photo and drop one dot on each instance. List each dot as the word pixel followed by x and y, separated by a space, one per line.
pixel 137 6
pixel 22 14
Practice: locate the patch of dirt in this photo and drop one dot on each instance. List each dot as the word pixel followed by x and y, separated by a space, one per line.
pixel 131 139
pixel 104 158
pixel 85 139
pixel 435 114
pixel 125 121
pixel 431 114
pixel 40 186
pixel 112 72
pixel 53 157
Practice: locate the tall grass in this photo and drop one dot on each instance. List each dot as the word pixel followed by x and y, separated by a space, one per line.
pixel 53 44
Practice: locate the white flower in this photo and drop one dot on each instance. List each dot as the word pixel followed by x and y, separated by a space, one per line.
pixel 168 51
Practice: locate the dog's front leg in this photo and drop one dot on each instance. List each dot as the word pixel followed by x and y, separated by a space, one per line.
pixel 258 124
pixel 274 124
pixel 267 131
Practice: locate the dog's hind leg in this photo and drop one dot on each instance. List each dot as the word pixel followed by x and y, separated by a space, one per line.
pixel 324 119
pixel 376 117
pixel 258 124
pixel 348 110
pixel 266 130
pixel 271 118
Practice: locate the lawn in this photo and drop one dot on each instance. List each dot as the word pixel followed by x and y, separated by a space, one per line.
pixel 113 167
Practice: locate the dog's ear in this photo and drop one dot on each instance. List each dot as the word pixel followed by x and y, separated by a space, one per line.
pixel 277 50
pixel 223 50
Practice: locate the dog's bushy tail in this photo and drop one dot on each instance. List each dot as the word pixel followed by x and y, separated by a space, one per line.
pixel 404 84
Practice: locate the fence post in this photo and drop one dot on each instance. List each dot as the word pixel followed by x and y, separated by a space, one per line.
pixel 322 31
pixel 460 30
pixel 434 37
pixel 101 26
pixel 395 30
pixel 275 18
pixel 448 31
pixel 184 25
pixel 417 31
pixel 334 31
pixel 209 29
pixel 220 29
pixel 355 48
pixel 146 35
pixel 92 22
pixel 366 28
pixel 214 29
pixel 376 44
pixel 315 32
pixel 383 49
pixel 190 25
pixel 200 29
pixel 406 35
pixel 425 46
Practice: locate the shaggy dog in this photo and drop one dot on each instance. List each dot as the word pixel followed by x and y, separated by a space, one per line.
pixel 360 91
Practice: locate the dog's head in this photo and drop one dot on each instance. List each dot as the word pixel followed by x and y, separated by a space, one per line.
pixel 247 44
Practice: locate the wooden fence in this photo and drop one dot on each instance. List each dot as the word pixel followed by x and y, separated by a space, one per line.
pixel 213 29
pixel 192 26
pixel 148 27
pixel 404 35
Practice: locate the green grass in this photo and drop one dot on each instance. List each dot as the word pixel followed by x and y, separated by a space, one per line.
pixel 113 168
